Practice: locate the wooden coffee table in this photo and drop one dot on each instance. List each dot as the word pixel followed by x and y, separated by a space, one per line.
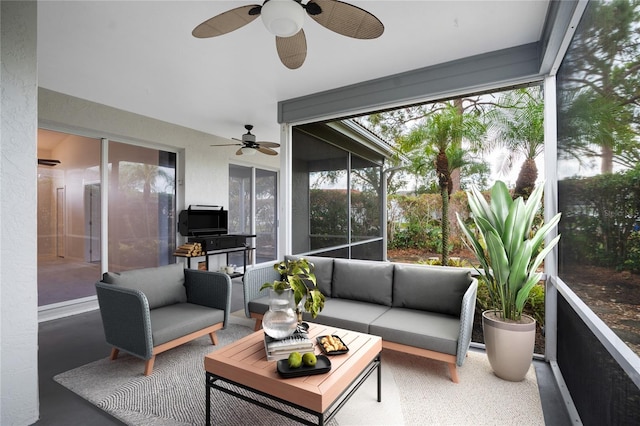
pixel 243 364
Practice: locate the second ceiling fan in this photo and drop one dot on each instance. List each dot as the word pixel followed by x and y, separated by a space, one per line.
pixel 250 146
pixel 284 19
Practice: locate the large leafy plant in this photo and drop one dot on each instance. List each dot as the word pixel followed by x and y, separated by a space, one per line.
pixel 298 276
pixel 508 247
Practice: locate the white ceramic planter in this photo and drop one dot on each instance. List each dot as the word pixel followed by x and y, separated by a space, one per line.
pixel 509 345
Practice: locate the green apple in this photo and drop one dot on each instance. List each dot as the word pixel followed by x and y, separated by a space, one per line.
pixel 309 359
pixel 295 360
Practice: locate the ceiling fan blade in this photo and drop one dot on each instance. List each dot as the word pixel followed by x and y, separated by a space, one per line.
pixel 229 144
pixel 267 151
pixel 239 152
pixel 268 144
pixel 292 50
pixel 227 21
pixel 344 18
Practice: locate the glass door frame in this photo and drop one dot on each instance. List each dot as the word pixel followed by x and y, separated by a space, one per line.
pixel 252 168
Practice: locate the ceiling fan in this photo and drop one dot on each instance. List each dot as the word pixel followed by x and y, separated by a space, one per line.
pixel 284 19
pixel 249 146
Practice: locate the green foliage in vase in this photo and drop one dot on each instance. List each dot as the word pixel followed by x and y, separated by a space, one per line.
pixel 298 276
pixel 509 248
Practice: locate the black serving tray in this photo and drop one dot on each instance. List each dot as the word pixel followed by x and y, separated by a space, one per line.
pixel 323 365
pixel 344 351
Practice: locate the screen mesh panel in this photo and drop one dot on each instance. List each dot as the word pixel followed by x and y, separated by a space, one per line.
pixel 601 391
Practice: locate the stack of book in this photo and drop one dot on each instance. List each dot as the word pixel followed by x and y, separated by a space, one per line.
pixel 278 349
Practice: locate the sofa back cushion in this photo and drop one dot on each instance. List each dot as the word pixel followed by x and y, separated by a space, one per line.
pixel 363 280
pixel 323 270
pixel 162 286
pixel 434 289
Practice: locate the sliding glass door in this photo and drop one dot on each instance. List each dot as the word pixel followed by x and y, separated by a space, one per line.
pixel 141 212
pixel 68 216
pixel 253 209
pixel 142 219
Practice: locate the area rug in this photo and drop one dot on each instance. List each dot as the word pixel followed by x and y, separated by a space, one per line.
pixel 416 391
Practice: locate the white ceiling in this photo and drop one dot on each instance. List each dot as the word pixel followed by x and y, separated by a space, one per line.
pixel 140 56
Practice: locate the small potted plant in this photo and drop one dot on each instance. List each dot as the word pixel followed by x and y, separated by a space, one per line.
pixel 509 249
pixel 297 285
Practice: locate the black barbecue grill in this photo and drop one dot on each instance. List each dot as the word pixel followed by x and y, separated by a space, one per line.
pixel 209 226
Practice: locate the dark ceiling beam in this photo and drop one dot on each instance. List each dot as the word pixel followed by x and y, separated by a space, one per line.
pixel 493 70
pixel 499 69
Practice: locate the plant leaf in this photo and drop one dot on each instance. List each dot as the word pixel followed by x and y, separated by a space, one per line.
pixel 479 206
pixel 500 204
pixel 523 294
pixel 514 228
pixel 519 269
pixel 498 257
pixel 533 205
pixel 540 257
pixel 539 237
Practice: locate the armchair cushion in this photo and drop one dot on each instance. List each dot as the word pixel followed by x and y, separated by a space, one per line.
pixel 163 285
pixel 180 319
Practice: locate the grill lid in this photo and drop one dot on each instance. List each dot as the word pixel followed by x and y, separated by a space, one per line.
pixel 203 220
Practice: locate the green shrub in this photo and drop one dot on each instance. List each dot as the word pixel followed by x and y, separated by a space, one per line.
pixel 453 261
pixel 600 214
pixel 632 261
pixel 535 303
pixel 415 223
pixel 483 300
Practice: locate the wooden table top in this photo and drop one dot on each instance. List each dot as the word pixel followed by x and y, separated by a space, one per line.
pixel 245 362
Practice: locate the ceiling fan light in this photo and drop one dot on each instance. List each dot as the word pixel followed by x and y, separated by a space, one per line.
pixel 283 18
pixel 248 151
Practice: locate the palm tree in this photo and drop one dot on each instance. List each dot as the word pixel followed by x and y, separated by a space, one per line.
pixel 437 138
pixel 518 126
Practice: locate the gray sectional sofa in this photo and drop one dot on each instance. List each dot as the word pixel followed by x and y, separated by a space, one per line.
pixel 148 311
pixel 422 310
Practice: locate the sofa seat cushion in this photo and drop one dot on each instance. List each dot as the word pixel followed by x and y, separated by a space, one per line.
pixel 363 280
pixel 430 288
pixel 426 330
pixel 178 320
pixel 162 286
pixel 259 305
pixel 350 314
pixel 322 269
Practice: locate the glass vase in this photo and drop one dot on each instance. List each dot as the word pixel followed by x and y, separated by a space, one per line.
pixel 280 321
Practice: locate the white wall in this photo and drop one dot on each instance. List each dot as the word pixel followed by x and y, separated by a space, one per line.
pixel 18 271
pixel 203 170
pixel 23 108
pixel 206 171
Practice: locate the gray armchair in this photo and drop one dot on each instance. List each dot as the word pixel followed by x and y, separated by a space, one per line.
pixel 148 311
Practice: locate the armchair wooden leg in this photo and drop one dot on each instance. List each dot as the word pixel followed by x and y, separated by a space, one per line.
pixel 453 371
pixel 148 366
pixel 214 338
pixel 114 353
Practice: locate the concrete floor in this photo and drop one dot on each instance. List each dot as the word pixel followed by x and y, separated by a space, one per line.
pixel 70 342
